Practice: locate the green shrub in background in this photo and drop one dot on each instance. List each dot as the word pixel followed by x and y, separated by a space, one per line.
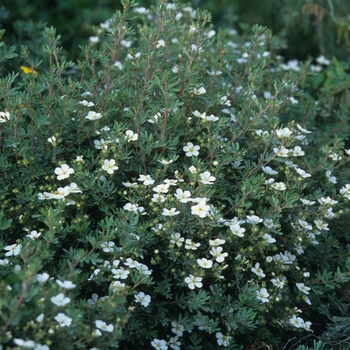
pixel 175 188
pixel 310 28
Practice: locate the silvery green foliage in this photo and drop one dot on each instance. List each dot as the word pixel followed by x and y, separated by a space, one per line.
pixel 168 190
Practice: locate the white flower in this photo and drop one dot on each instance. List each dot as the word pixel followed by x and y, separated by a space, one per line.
pixel 170 212
pixel 129 184
pixel 86 103
pixel 269 171
pixel 282 133
pixel 120 273
pixel 182 196
pixel 60 300
pixel 307 202
pixel 282 151
pixel 176 239
pixel 66 284
pixel 4 262
pixel 302 173
pixel 321 225
pixel 41 347
pixel 132 264
pixel 303 288
pixel 237 230
pixel 33 235
pixel 323 60
pixel 171 182
pixel 39 318
pixel 331 178
pixel 159 344
pixel 253 219
pixel 192 169
pixel 260 132
pixel 328 200
pixel 223 339
pixel 225 101
pixel 206 264
pixel 211 118
pixel 279 283
pixel 13 249
pixel 61 192
pixel 162 188
pixel 4 117
pixel 107 246
pixel 297 322
pixel 130 207
pixel 166 162
pixel 93 299
pixel 177 328
pixel 258 270
pixel 104 326
pixel 193 282
pixel 306 299
pixel 52 140
pixel 63 172
pixel 307 325
pixel 216 252
pixel 130 136
pixel 24 343
pixel 303 130
pixel 93 115
pixel 335 156
pixel 191 150
pixel 142 298
pixel 345 191
pixel 142 268
pixel 133 55
pixel 117 286
pixel 214 72
pixel 100 144
pixel 141 10
pixel 160 43
pixel 191 245
pixel 269 223
pixel 174 343
pixel 146 179
pixel 109 166
pixel 279 186
pixel 74 188
pixel 268 238
pixel 206 178
pixel 203 115
pixel 201 209
pixel 298 152
pixel 291 65
pixel 199 91
pixel 158 198
pixel 94 39
pixel 216 242
pixel 290 164
pixel 45 195
pixel 263 295
pixel 42 277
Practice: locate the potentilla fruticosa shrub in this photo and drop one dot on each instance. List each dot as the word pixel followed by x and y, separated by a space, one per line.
pixel 151 196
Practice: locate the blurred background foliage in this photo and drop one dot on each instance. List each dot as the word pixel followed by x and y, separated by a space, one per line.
pixel 310 27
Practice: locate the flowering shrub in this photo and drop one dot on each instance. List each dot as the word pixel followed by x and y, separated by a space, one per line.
pixel 170 190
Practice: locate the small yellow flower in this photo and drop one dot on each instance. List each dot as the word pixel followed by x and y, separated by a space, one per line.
pixel 28 70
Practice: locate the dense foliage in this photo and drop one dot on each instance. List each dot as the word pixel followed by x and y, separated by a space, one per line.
pixel 175 188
